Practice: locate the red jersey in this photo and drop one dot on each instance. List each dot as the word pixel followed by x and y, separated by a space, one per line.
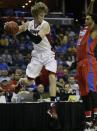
pixel 87 64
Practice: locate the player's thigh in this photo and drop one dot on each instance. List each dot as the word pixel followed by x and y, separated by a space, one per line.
pixel 51 65
pixel 34 68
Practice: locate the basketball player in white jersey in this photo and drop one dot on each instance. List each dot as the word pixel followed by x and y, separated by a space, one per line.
pixel 38 30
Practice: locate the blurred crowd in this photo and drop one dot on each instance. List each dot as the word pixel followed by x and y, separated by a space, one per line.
pixel 15 54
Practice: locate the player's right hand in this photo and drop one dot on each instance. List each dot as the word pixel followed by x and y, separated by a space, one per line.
pixel 24 25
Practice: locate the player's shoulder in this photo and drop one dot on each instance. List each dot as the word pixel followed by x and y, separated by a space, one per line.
pixel 45 23
pixel 31 22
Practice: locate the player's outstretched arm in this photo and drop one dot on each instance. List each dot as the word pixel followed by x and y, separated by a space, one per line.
pixel 90 7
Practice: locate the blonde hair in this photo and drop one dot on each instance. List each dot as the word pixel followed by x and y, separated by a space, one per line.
pixel 39 7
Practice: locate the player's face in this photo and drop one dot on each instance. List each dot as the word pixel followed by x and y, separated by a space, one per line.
pixel 40 17
pixel 88 20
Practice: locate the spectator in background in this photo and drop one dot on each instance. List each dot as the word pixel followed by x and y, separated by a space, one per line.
pixel 3 64
pixel 5 75
pixel 7 57
pixel 74 85
pixel 4 41
pixel 60 71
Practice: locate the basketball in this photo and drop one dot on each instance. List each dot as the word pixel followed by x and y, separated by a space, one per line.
pixel 11 27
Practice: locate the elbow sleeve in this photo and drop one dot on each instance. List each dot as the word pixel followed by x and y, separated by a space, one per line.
pixel 36 39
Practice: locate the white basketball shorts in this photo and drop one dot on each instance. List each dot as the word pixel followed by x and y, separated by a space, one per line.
pixel 40 59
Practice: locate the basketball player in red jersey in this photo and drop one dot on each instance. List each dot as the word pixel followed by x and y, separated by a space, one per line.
pixel 87 67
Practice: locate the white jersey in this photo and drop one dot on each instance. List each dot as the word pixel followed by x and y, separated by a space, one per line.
pixel 44 45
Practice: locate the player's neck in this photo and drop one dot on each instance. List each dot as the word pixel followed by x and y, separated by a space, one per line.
pixel 37 22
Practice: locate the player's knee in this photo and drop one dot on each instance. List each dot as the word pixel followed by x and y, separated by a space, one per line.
pixel 52 75
pixel 30 80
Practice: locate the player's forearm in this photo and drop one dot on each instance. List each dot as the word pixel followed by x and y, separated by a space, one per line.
pixel 90 8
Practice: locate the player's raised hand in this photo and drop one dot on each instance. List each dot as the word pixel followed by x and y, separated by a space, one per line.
pixel 23 27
